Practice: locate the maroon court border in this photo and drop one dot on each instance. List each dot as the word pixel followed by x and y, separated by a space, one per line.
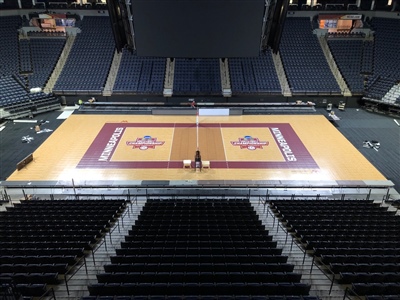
pixel 91 158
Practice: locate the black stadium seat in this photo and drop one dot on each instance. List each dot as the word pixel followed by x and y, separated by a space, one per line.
pixel 194 248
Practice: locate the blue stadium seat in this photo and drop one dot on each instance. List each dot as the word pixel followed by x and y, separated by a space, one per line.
pixel 304 62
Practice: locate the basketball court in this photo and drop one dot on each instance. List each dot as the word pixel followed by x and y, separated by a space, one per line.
pixel 262 148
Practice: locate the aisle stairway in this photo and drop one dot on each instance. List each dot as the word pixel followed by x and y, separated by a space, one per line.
pixel 60 64
pixel 334 68
pixel 112 74
pixel 280 71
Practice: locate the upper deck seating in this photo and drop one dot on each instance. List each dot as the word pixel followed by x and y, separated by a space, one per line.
pixel 90 58
pixel 304 62
pixel 254 75
pixel 197 77
pixel 142 75
pixel 347 54
pixel 9 63
pixel 387 47
pixel 45 54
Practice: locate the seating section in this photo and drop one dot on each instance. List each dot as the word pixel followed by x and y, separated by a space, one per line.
pixel 16 62
pixel 140 74
pixel 9 63
pixel 198 248
pixel 320 5
pixel 358 241
pixel 367 62
pixel 11 92
pixel 9 4
pixel 45 54
pixel 15 100
pixel 387 47
pixel 347 55
pixel 25 60
pixel 386 68
pixel 341 35
pixel 90 58
pixel 43 239
pixel 87 5
pixel 306 68
pixel 197 77
pixel 49 33
pixel 379 88
pixel 55 5
pixel 254 75
pixel 304 62
pixel 392 97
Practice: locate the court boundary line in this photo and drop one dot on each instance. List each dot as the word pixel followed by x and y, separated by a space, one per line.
pixel 223 143
pixel 284 132
pixel 170 148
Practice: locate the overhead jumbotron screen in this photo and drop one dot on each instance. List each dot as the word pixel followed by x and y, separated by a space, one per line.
pixel 198 28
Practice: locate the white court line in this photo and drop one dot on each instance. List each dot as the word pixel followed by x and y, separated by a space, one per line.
pixel 223 144
pixel 65 114
pixel 170 147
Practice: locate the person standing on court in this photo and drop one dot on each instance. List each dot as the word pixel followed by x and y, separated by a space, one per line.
pixel 197 160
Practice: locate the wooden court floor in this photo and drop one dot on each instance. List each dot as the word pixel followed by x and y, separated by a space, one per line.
pixel 131 147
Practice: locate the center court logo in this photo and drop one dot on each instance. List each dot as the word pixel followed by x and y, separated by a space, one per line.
pixel 250 143
pixel 144 143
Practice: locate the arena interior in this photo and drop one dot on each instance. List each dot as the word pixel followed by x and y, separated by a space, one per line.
pixel 165 150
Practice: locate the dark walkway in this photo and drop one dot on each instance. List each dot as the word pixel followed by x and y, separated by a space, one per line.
pixel 13 149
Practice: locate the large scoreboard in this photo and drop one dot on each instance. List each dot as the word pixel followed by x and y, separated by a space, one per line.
pixel 198 28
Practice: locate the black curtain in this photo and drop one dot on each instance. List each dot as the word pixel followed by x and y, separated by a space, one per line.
pixel 276 24
pixel 114 12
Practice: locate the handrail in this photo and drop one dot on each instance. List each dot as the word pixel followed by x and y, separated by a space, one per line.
pixel 93 251
pixel 324 271
pixel 47 296
pixel 333 66
pixel 350 297
pixel 232 185
pixel 74 271
pixel 304 250
pixel 104 241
